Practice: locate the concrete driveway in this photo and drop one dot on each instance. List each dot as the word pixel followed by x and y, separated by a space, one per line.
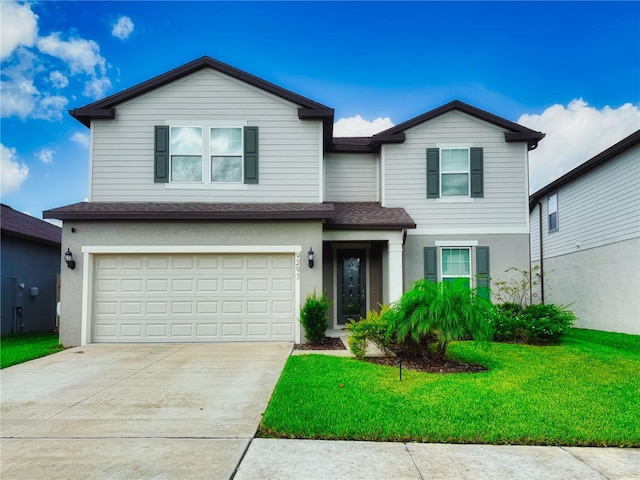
pixel 136 411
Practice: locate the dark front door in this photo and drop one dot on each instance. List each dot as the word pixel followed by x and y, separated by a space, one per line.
pixel 351 299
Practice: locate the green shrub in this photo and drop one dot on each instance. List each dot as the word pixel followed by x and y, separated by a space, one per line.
pixel 508 323
pixel 431 315
pixel 372 329
pixel 538 324
pixel 547 323
pixel 314 317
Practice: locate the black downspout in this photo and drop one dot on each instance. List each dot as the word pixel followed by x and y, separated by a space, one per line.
pixel 541 275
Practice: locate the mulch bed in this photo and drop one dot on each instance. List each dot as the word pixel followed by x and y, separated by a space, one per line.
pixel 430 366
pixel 417 364
pixel 328 344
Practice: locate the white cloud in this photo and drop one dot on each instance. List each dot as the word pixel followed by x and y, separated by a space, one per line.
pixel 17 99
pixel 575 134
pixel 12 172
pixel 53 221
pixel 81 138
pixel 122 28
pixel 50 107
pixel 58 79
pixel 33 67
pixel 96 87
pixel 46 155
pixel 19 26
pixel 359 127
pixel 82 56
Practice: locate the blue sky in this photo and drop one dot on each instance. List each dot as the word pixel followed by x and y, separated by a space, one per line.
pixel 569 69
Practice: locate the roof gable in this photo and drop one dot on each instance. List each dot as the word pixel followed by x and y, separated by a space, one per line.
pixel 105 109
pixel 513 131
pixel 603 157
pixel 18 224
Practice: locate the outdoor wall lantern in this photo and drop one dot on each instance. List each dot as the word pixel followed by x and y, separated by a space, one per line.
pixel 68 257
pixel 310 256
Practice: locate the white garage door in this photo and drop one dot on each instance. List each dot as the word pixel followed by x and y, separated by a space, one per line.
pixel 193 298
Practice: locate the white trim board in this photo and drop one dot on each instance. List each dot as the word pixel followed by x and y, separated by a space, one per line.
pixel 192 249
pixel 470 231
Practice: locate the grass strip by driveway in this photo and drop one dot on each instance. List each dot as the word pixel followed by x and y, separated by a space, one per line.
pixel 582 393
pixel 22 347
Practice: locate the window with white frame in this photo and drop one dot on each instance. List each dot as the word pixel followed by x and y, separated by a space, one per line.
pixel 186 154
pixel 226 148
pixel 552 212
pixel 454 172
pixel 455 263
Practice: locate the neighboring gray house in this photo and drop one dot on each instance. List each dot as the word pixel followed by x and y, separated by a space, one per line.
pixel 209 189
pixel 30 266
pixel 585 235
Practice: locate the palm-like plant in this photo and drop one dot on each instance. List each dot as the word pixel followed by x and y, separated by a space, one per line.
pixel 431 315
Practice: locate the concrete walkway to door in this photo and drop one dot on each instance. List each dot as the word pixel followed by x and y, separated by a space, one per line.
pixel 136 411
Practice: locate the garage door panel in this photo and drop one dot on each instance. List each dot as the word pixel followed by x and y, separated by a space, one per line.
pixel 212 297
pixel 232 330
pixel 131 330
pixel 207 285
pixel 156 330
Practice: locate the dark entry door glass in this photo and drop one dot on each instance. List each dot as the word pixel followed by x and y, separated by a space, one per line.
pixel 351 285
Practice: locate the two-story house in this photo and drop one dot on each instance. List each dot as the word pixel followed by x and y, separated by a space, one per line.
pixel 218 201
pixel 585 237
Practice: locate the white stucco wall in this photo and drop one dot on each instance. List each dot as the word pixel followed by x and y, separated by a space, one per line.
pixel 602 285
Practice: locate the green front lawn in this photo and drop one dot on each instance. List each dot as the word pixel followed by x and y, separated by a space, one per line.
pixel 585 392
pixel 21 347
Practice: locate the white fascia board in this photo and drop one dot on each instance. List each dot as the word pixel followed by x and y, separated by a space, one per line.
pixel 97 249
pixel 361 235
pixel 471 231
pixel 456 243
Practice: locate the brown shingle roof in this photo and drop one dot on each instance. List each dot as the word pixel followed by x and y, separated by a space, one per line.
pixel 370 216
pixel 21 225
pixel 356 215
pixel 191 211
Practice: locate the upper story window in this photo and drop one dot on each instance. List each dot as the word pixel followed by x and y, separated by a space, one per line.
pixel 455 172
pixel 226 154
pixel 186 154
pixel 179 154
pixel 552 212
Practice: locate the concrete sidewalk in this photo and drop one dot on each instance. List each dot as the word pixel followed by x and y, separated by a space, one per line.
pixel 314 459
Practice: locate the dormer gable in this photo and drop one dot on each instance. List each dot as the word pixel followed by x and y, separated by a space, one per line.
pixel 513 132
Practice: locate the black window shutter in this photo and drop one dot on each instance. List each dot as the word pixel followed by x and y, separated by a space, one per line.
pixel 482 272
pixel 250 154
pixel 161 154
pixel 477 180
pixel 433 172
pixel 431 264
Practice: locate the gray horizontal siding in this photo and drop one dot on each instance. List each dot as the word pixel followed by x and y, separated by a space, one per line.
pixel 505 202
pixel 599 208
pixel 351 177
pixel 122 152
pixel 534 227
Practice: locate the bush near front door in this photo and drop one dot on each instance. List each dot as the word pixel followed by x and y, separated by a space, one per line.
pixel 314 316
